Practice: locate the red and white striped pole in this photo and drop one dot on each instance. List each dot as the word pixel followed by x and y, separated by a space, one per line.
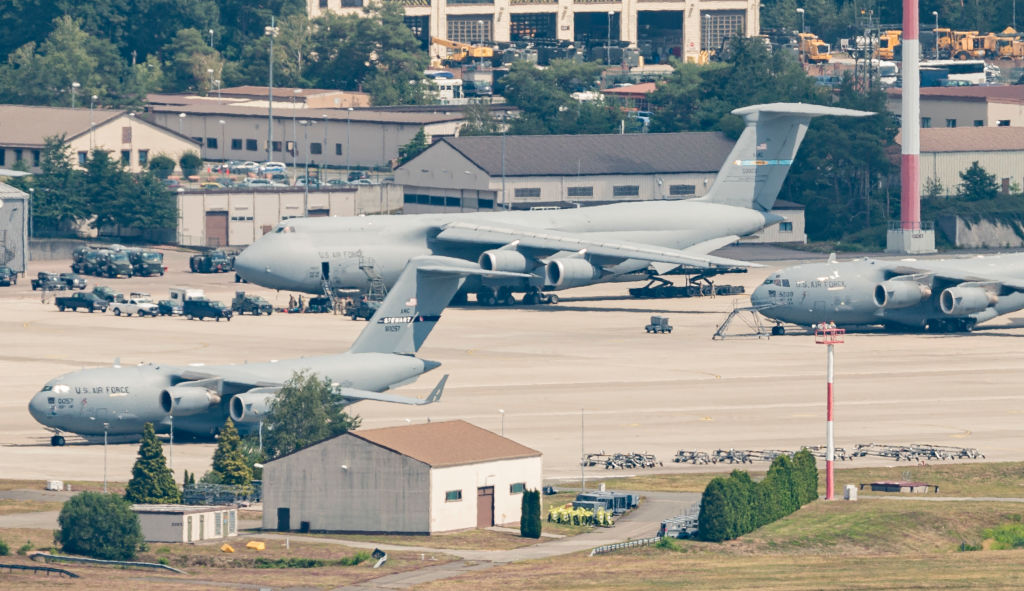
pixel 910 178
pixel 827 334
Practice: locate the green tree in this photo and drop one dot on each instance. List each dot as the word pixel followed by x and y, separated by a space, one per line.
pixel 99 526
pixel 228 459
pixel 546 106
pixel 56 197
pixel 976 184
pixel 306 410
pixel 414 148
pixel 161 165
pixel 806 470
pixel 529 521
pixel 716 512
pixel 148 204
pixel 105 188
pixel 933 188
pixel 480 121
pixel 188 59
pixel 781 478
pixel 152 481
pixel 190 163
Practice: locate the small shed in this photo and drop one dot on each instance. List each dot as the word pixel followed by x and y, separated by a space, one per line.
pixel 187 523
pixel 14 209
pixel 414 479
pixel 901 486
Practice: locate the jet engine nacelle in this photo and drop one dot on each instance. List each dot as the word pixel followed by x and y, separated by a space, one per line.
pixel 570 272
pixel 185 400
pixel 959 300
pixel 250 407
pixel 510 261
pixel 900 294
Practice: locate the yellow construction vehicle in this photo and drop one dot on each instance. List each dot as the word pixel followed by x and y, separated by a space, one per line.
pixel 814 50
pixel 462 52
pixel 888 41
pixel 958 44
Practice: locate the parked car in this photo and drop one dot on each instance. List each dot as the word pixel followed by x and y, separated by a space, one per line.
pixel 215 261
pixel 108 293
pixel 254 183
pixel 139 304
pixel 146 262
pixel 268 167
pixel 73 280
pixel 253 304
pixel 475 88
pixel 200 308
pixel 337 182
pixel 227 167
pixel 169 308
pixel 362 182
pixel 246 168
pixel 48 281
pixel 81 299
pixel 8 276
pixel 171 183
pixel 210 185
pixel 357 174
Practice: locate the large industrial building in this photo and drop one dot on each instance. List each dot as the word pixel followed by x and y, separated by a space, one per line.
pixel 415 479
pixel 13 228
pixel 659 28
pixel 947 152
pixel 966 106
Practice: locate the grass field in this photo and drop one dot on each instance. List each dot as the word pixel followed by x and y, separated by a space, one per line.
pixel 9 506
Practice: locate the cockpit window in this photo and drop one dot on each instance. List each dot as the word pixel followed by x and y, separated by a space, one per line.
pixel 769 281
pixel 47 388
pixel 785 283
pixel 284 230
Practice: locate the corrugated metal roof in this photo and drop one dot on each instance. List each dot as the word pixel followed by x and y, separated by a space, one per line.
pixel 447 443
pixel 180 509
pixel 641 88
pixel 637 153
pixel 335 115
pixel 9 191
pixel 23 125
pixel 998 94
pixel 970 139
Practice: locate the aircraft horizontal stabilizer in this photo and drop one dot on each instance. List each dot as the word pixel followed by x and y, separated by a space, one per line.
pixel 355 395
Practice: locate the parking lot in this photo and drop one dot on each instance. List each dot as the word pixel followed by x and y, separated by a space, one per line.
pixel 583 369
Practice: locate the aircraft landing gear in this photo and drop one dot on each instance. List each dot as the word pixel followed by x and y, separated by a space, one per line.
pixel 778 330
pixel 534 297
pixel 57 441
pixel 487 297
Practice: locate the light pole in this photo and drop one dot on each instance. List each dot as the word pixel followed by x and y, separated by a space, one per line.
pixel 181 117
pixel 305 185
pixel 31 198
pixel 211 38
pixel 323 149
pixel 210 72
pixel 295 135
pixel 92 136
pixel 935 31
pixel 705 38
pixel 348 142
pixel 504 133
pixel 223 148
pixel 171 418
pixel 106 427
pixel 608 47
pixel 801 11
pixel 271 32
pixel 217 84
pixel 501 411
pixel 583 455
pixel 74 86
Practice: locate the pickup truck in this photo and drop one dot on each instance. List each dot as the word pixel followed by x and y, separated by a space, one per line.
pixel 81 299
pixel 199 308
pixel 8 276
pixel 108 293
pixel 48 281
pixel 252 304
pixel 139 304
pixel 73 280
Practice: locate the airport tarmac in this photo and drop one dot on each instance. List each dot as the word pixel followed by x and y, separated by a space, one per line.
pixel 581 370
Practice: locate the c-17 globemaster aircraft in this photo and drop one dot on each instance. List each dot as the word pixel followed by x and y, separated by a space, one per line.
pixel 121 400
pixel 942 295
pixel 559 248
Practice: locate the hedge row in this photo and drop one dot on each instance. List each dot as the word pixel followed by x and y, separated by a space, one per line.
pixel 733 506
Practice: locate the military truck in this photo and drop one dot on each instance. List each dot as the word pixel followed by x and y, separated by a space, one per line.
pixel 81 299
pixel 215 261
pixel 146 263
pixel 199 308
pixel 8 276
pixel 115 263
pixel 87 259
pixel 253 304
pixel 74 280
pixel 48 281
pixel 108 293
pixel 364 309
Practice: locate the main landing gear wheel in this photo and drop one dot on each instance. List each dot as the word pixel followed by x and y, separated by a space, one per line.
pixel 57 441
pixel 778 330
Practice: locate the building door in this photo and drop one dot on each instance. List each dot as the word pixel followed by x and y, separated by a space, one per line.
pixel 202 527
pixel 325 269
pixel 318 213
pixel 216 228
pixel 284 516
pixel 485 506
pixel 189 521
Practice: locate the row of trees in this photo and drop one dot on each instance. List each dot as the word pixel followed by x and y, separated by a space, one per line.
pixel 733 506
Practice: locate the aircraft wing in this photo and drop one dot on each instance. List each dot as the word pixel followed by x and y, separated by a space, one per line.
pixel 355 395
pixel 922 270
pixel 553 241
pixel 228 374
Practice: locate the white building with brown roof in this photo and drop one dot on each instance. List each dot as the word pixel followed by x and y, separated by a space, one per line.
pixel 132 140
pixel 947 152
pixel 416 479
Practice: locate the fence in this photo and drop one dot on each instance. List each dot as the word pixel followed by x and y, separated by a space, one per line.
pixel 623 545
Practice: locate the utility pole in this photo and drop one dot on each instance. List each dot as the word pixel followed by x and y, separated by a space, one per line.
pixel 827 334
pixel 271 32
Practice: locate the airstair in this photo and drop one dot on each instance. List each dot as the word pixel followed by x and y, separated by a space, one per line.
pixel 751 317
pixel 378 291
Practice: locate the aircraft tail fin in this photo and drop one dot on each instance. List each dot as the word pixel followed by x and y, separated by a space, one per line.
pixel 759 162
pixel 414 304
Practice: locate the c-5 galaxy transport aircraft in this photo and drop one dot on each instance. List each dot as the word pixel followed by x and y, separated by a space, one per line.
pixel 560 248
pixel 945 295
pixel 123 399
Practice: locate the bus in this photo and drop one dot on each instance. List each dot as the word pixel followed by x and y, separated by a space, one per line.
pixel 970 72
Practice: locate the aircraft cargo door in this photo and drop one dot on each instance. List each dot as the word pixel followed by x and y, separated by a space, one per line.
pixel 485 506
pixel 216 228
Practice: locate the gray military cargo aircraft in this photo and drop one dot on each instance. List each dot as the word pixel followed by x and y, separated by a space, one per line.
pixel 121 400
pixel 558 248
pixel 942 295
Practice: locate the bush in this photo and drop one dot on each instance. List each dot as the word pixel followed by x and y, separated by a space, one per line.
pixel 190 164
pixel 4 549
pixel 161 166
pixel 25 548
pixel 666 543
pixel 99 526
pixel 529 521
pixel 1006 536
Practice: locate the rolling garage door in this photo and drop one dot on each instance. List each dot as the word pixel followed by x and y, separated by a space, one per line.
pixel 216 228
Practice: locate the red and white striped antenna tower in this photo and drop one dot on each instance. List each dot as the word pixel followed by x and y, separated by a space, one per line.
pixel 826 333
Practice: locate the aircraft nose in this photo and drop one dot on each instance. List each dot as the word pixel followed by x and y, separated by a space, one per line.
pixel 249 264
pixel 760 296
pixel 39 407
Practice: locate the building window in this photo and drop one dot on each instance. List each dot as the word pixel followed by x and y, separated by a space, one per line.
pixel 19 155
pixel 581 191
pixel 469 28
pixel 926 122
pixel 1003 123
pixel 438 201
pixel 337 149
pixel 3 156
pixel 143 157
pixel 83 157
pixel 626 190
pixel 452 496
pixel 979 123
pixel 251 145
pixel 36 156
pixel 236 144
pixel 316 148
pixel 528 192
pixel 277 146
pixel 323 3
pixel 217 525
pixel 211 142
pixel 682 189
pixel 950 122
pixel 485 203
pixel 516 488
pixel 785 226
pixel 126 157
pixel 453 201
pixel 351 3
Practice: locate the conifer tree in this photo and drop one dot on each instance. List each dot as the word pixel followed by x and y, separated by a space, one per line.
pixel 716 512
pixel 152 481
pixel 228 460
pixel 529 521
